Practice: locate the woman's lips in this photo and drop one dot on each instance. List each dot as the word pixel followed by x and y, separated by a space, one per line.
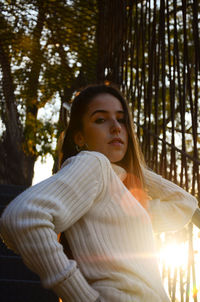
pixel 116 142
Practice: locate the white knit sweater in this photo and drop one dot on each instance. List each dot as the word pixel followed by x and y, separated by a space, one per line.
pixel 109 232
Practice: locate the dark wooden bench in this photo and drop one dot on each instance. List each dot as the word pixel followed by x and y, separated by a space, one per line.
pixel 17 282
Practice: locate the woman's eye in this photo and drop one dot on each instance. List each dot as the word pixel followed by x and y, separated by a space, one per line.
pixel 99 120
pixel 121 120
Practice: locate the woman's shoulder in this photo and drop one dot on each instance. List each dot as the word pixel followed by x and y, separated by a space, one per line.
pixel 90 164
pixel 88 157
pixel 88 161
pixel 150 176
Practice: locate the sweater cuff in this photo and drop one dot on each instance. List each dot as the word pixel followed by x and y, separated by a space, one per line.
pixel 76 289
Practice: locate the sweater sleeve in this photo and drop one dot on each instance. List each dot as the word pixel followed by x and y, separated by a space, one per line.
pixel 170 207
pixel 31 222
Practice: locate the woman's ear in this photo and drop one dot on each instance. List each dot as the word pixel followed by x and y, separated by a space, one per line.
pixel 79 139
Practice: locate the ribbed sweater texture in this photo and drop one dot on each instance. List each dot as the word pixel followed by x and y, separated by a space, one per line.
pixel 110 234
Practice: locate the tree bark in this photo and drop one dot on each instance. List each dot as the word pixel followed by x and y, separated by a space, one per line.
pixel 110 37
pixel 17 160
pixel 16 167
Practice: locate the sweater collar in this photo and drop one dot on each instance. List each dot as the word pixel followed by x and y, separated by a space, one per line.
pixel 121 172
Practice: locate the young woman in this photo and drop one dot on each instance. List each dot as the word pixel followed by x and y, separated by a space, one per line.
pixel 107 204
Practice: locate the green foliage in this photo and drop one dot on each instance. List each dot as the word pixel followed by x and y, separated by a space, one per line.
pixel 51 49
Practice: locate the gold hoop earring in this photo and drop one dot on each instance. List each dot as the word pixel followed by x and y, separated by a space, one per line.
pixel 84 147
pixel 78 149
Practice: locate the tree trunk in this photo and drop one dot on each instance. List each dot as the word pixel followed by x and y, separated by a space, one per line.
pixel 110 37
pixel 16 167
pixel 17 158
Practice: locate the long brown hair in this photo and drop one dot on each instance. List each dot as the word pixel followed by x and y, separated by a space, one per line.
pixel 133 159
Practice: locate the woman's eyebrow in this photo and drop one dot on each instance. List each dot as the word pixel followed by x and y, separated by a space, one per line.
pixel 105 111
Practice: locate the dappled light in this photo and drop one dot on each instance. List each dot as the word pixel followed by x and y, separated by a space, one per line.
pixel 179 259
pixel 150 50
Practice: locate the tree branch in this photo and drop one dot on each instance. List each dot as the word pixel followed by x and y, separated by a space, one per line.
pixel 13 126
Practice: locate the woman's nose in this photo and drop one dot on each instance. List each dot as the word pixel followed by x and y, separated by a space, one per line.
pixel 115 127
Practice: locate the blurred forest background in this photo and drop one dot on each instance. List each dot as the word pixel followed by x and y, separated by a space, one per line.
pixel 149 49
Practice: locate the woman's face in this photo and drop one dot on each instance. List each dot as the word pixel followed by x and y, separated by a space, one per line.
pixel 104 129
